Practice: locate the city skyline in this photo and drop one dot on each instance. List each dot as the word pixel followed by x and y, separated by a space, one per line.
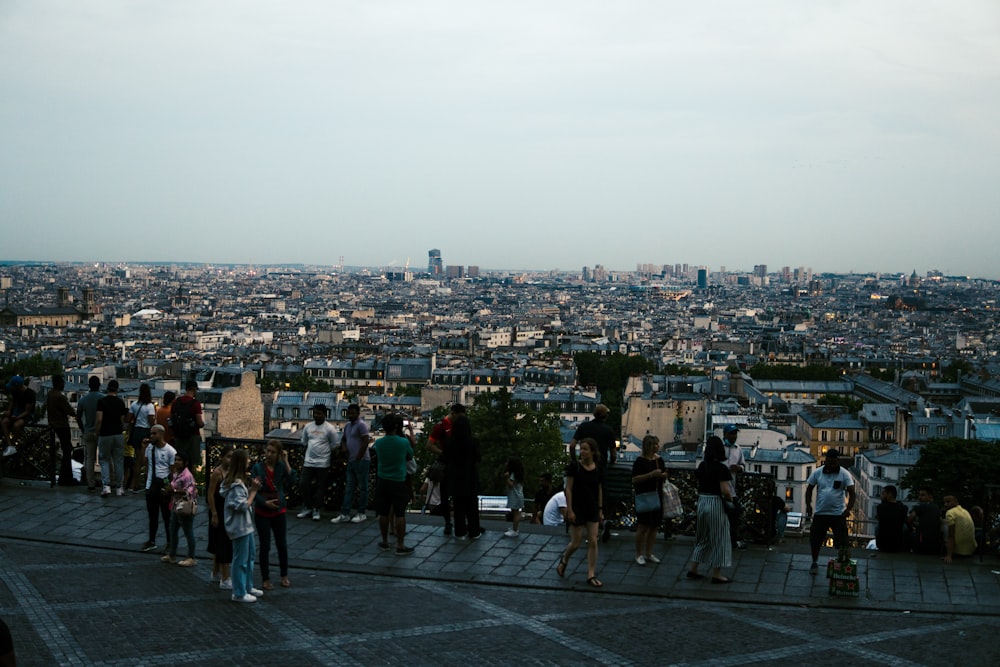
pixel 840 136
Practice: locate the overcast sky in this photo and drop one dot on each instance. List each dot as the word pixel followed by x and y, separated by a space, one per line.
pixel 843 136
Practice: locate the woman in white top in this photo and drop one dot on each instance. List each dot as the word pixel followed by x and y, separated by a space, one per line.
pixel 142 416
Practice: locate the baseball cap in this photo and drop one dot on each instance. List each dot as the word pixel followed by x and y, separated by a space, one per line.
pixel 730 428
pixel 16 381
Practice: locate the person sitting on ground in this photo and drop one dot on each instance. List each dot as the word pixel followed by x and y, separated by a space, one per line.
pixel 961 539
pixel 891 516
pixel 555 510
pixel 20 413
pixel 925 524
pixel 542 494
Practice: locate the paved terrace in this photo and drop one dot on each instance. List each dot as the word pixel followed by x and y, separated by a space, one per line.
pixel 100 538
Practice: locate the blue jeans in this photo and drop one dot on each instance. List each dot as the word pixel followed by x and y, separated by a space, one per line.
pixel 243 548
pixel 356 482
pixel 187 523
pixel 112 455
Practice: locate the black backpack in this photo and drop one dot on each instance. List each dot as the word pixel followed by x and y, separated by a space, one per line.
pixel 182 421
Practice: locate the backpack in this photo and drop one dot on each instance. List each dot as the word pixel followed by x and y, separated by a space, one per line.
pixel 182 421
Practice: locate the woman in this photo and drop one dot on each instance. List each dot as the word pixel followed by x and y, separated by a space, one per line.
pixel 274 474
pixel 181 488
pixel 712 544
pixel 461 450
pixel 219 544
pixel 240 494
pixel 584 508
pixel 648 473
pixel 141 417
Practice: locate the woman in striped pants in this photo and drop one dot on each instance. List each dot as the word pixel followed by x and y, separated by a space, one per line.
pixel 712 545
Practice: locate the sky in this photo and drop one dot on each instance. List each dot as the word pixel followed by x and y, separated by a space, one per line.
pixel 836 135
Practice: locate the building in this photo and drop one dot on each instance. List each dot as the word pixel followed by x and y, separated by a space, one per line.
pixel 435 266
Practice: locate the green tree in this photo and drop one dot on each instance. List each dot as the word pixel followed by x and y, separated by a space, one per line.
pixel 610 374
pixel 812 372
pixel 950 371
pixel 507 427
pixel 35 366
pixel 958 466
pixel 853 405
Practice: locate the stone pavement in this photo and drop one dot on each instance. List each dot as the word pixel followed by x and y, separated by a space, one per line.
pixel 76 591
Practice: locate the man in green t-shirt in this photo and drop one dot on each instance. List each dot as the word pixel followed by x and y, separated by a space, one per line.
pixel 391 494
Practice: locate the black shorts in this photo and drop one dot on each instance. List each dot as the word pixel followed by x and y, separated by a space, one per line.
pixel 391 495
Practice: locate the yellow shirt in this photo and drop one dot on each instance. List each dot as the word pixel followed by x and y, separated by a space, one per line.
pixel 965 531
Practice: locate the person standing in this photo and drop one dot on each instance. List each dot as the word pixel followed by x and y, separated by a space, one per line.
pixel 584 508
pixel 187 418
pixel 141 417
pixel 648 474
pixel 461 451
pixel 391 493
pixel 600 432
pixel 273 474
pixel 712 546
pixel 961 531
pixel 59 411
pixel 356 439
pixel 86 419
pixel 832 484
pixel 163 415
pixel 112 416
pixel 240 493
pixel 319 440
pixel 737 464
pixel 435 443
pixel 160 458
pixel 20 413
pixel 182 489
pixel 219 544
pixel 514 475
pixel 891 515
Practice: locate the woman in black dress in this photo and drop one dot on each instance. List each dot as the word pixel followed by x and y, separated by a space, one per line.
pixel 584 508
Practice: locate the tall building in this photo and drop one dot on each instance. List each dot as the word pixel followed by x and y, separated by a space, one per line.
pixel 472 271
pixel 702 277
pixel 435 266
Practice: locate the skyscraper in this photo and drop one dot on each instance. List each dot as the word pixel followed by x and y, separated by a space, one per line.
pixel 435 266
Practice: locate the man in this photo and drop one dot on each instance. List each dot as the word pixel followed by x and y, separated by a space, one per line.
pixel 86 419
pixel 187 418
pixel 598 429
pixel 435 443
pixel 737 464
pixel 542 495
pixel 831 483
pixel 355 440
pixel 319 439
pixel 891 516
pixel 20 413
pixel 925 524
pixel 159 460
pixel 112 417
pixel 163 415
pixel 59 411
pixel 555 510
pixel 391 492
pixel 961 539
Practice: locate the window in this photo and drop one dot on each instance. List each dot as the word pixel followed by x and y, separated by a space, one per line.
pixel 876 490
pixel 840 436
pixel 790 473
pixel 822 436
pixel 942 430
pixel 922 430
pixel 789 494
pixel 281 413
pixel 756 468
pixel 774 471
pixel 879 471
pixel 295 413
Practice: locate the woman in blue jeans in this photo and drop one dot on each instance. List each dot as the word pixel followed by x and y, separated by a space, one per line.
pixel 240 494
pixel 273 474
pixel 181 488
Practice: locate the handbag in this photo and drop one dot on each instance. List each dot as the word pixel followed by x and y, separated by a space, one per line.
pixel 186 506
pixel 437 471
pixel 672 507
pixel 647 502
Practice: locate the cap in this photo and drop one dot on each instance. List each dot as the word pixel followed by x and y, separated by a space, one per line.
pixel 730 428
pixel 16 381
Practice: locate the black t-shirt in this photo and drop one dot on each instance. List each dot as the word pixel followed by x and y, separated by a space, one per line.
pixel 710 476
pixel 602 433
pixel 112 410
pixel 24 400
pixel 643 466
pixel 891 519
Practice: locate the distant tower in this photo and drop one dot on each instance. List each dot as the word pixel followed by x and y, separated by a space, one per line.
pixel 63 297
pixel 89 308
pixel 702 277
pixel 435 266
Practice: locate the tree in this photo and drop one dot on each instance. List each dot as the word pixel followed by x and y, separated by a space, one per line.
pixel 610 374
pixel 853 405
pixel 35 366
pixel 507 427
pixel 956 466
pixel 812 372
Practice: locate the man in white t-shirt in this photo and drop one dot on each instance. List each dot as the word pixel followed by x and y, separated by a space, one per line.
pixel 555 510
pixel 736 464
pixel 159 461
pixel 319 438
pixel 832 483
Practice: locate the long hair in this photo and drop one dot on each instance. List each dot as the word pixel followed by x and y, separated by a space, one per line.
pixel 516 468
pixel 145 395
pixel 715 450
pixel 237 467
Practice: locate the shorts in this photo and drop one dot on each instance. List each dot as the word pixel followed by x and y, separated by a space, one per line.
pixel 391 495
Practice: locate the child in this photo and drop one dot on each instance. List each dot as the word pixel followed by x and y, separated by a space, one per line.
pixel 514 474
pixel 239 494
pixel 182 488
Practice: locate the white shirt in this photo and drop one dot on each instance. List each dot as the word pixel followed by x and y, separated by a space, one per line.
pixel 552 516
pixel 831 491
pixel 319 441
pixel 162 460
pixel 734 457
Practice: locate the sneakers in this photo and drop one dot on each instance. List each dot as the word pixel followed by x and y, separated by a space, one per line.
pixel 304 513
pixel 447 529
pixel 315 515
pixel 256 592
pixel 147 547
pixel 384 546
pixel 340 518
pixel 226 585
pixel 652 559
pixel 105 491
pixel 358 518
pixel 120 491
pixel 814 568
pixel 10 450
pixel 482 531
pixel 510 533
pixel 640 560
pixel 245 598
pixel 188 562
pixel 404 551
pixel 168 559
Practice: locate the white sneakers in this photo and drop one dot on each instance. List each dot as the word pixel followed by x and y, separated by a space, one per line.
pixel 652 559
pixel 245 598
pixel 105 491
pixel 315 515
pixel 304 513
pixel 511 533
pixel 640 560
pixel 340 518
pixel 256 592
pixel 226 585
pixel 10 450
pixel 120 491
pixel 358 518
